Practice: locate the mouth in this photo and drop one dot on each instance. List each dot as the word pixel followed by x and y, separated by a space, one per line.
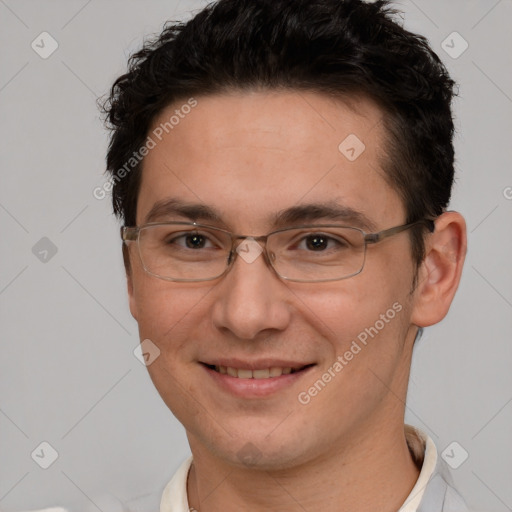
pixel 255 380
pixel 270 372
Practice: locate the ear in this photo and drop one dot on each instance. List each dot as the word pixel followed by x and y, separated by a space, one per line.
pixel 129 281
pixel 440 272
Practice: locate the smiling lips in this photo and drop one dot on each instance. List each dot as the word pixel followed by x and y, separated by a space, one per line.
pixel 255 380
pixel 261 373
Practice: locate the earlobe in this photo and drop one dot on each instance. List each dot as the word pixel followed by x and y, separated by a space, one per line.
pixel 440 272
pixel 131 295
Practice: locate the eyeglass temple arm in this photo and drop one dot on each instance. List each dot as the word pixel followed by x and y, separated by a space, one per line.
pixel 373 238
pixel 129 233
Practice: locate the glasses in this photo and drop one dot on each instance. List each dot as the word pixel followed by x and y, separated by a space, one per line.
pixel 188 252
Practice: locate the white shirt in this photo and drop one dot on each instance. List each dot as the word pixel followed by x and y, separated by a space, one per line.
pixel 432 492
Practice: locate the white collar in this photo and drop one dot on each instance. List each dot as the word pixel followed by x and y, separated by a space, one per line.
pixel 421 446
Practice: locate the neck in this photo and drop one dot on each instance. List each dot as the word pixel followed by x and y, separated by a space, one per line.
pixel 374 471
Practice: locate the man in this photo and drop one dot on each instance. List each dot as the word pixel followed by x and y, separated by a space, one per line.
pixel 282 169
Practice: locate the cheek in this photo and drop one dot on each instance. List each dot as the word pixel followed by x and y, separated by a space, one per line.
pixel 175 387
pixel 363 323
pixel 345 309
pixel 170 315
pixel 167 313
pixel 363 351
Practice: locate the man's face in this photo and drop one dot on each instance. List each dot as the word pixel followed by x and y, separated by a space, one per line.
pixel 248 157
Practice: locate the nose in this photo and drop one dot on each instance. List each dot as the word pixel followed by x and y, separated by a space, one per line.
pixel 251 301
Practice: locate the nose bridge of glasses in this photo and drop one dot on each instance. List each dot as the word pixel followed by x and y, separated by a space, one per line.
pixel 240 239
pixel 249 248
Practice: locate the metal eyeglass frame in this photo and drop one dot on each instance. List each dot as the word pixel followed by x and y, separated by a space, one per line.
pixel 131 234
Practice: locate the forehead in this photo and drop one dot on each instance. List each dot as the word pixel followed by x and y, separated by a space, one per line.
pixel 249 155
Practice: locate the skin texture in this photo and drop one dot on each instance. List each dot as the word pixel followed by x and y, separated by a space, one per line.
pixel 248 156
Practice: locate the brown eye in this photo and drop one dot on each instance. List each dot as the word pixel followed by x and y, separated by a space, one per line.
pixel 317 242
pixel 195 241
pixel 188 240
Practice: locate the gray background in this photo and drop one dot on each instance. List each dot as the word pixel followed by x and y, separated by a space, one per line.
pixel 67 370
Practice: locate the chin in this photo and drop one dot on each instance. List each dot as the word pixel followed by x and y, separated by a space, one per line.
pixel 261 453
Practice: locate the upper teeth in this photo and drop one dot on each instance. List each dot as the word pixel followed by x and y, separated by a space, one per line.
pixel 253 374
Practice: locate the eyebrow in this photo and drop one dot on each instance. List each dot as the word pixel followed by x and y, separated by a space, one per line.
pixel 174 207
pixel 295 215
pixel 329 211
